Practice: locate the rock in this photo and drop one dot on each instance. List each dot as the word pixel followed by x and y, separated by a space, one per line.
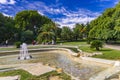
pixel 47 64
pixel 119 77
pixel 59 70
pixel 114 79
pixel 55 78
pixel 53 66
pixel 117 64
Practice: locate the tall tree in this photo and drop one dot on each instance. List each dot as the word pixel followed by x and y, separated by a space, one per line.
pixel 7 28
pixel 79 31
pixel 106 26
pixel 30 20
pixel 67 34
pixel 48 33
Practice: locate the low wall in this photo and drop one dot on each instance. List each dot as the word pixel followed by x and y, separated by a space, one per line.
pixel 3 53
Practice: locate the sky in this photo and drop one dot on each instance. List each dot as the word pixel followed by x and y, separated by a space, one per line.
pixel 63 12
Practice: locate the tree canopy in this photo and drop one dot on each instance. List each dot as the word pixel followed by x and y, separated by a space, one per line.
pixel 107 25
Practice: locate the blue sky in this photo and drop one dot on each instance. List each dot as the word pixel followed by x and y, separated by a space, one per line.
pixel 63 12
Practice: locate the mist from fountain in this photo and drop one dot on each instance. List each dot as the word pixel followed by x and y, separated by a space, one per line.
pixel 24 52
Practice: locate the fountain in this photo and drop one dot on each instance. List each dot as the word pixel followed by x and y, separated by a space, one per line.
pixel 24 52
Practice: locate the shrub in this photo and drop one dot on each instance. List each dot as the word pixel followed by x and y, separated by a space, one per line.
pixel 17 44
pixel 88 40
pixel 97 44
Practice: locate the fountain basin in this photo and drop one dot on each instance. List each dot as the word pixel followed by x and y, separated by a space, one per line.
pixel 61 59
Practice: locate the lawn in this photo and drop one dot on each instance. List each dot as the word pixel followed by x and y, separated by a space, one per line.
pixel 75 43
pixel 87 49
pixel 107 53
pixel 7 48
pixel 27 76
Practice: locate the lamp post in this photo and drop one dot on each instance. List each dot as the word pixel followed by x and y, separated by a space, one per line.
pixel 35 29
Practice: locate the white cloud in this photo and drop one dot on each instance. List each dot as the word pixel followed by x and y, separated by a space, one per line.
pixel 7 2
pixel 116 2
pixel 52 10
pixel 7 15
pixel 41 13
pixel 70 18
pixel 73 17
pixel 63 17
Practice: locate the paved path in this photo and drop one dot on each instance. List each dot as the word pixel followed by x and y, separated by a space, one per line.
pixel 33 68
pixel 37 68
pixel 10 78
pixel 116 47
pixel 98 60
pixel 106 73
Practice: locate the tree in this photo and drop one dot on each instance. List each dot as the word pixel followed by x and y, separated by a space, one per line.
pixel 87 29
pixel 96 44
pixel 106 26
pixel 78 31
pixel 27 36
pixel 30 20
pixel 7 28
pixel 48 33
pixel 67 34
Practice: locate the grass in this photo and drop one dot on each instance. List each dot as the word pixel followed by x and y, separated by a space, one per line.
pixel 7 49
pixel 27 76
pixel 107 53
pixel 75 43
pixel 73 49
pixel 87 49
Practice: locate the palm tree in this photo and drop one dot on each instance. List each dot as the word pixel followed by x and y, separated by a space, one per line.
pixel 48 33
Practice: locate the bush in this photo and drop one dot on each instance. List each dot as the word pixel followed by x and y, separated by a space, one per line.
pixel 17 44
pixel 88 40
pixel 97 44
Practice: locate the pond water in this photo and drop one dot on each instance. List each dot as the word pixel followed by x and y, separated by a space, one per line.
pixel 80 70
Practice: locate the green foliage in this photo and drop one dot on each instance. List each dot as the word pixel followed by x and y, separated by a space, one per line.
pixel 45 37
pixel 30 20
pixel 24 75
pixel 27 36
pixel 7 28
pixel 78 31
pixel 106 26
pixel 48 33
pixel 96 44
pixel 67 34
pixel 88 40
pixel 17 44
